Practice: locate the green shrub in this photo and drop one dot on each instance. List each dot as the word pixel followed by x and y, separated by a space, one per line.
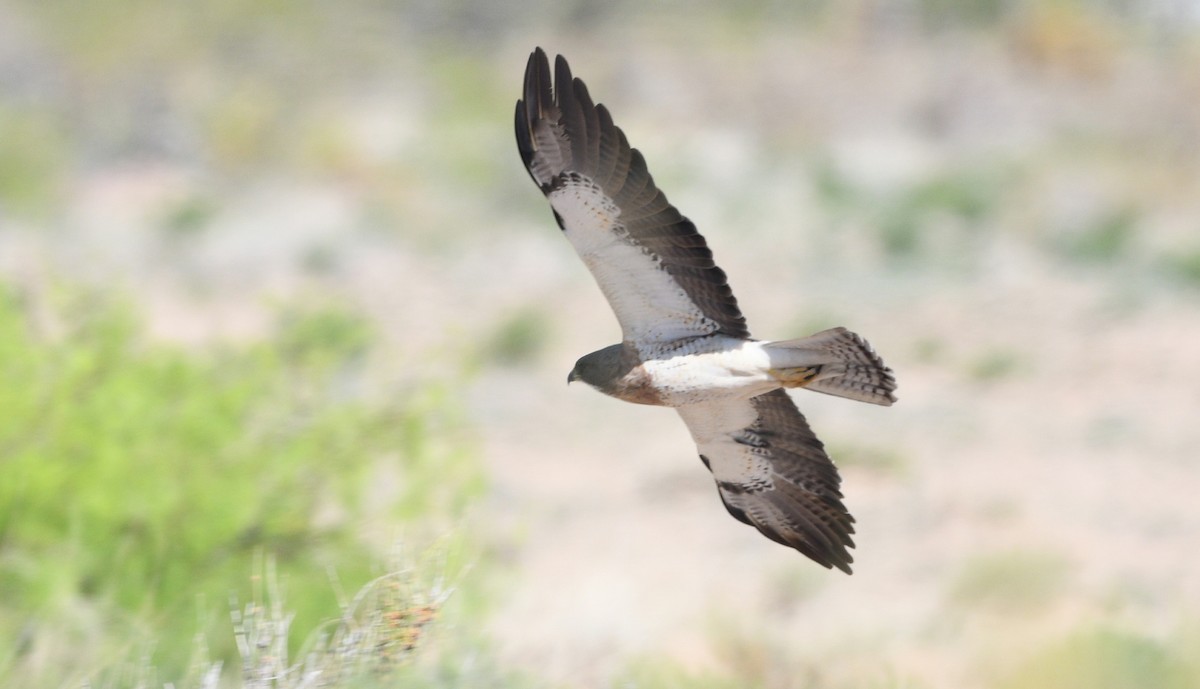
pixel 518 339
pixel 995 364
pixel 141 478
pixel 1016 581
pixel 1105 240
pixel 33 160
pixel 1183 266
pixel 964 197
pixel 1102 659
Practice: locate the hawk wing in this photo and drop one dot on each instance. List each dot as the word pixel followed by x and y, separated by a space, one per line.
pixel 654 268
pixel 773 473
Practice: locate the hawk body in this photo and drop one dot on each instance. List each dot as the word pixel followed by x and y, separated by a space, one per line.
pixel 685 343
pixel 690 371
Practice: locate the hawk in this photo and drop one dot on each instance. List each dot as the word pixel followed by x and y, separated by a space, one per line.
pixel 684 342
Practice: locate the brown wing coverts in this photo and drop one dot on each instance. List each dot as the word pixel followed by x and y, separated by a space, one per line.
pixel 561 133
pixel 802 507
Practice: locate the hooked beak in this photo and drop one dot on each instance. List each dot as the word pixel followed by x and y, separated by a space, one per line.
pixel 572 377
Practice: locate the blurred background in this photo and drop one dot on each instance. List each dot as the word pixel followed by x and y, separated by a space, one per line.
pixel 276 294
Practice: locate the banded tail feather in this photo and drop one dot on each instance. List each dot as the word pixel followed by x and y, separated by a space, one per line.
pixel 836 362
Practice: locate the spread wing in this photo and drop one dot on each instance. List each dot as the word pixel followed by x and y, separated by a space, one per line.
pixel 773 474
pixel 653 266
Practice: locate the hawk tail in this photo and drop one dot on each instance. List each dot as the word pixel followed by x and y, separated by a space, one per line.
pixel 835 362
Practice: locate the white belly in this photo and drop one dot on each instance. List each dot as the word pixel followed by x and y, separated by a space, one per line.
pixel 708 371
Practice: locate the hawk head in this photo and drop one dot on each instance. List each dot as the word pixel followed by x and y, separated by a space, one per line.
pixel 600 369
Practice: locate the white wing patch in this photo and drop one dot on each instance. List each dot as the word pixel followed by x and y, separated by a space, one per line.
pixel 650 305
pixel 716 427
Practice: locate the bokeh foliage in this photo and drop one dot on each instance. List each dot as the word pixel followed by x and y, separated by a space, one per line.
pixel 140 478
pixel 1105 659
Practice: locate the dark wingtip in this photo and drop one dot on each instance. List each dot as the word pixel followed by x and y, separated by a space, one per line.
pixel 842 558
pixel 524 136
pixel 537 93
pixel 828 556
pixel 536 96
pixel 562 73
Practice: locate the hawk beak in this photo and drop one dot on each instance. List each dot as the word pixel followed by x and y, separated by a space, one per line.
pixel 571 377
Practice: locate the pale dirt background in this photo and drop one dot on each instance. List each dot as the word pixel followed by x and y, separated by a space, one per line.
pixel 1049 402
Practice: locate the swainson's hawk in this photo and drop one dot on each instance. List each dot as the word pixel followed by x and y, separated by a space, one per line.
pixel 685 343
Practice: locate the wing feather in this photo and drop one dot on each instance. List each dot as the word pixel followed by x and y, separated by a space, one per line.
pixel 591 120
pixel 773 473
pixel 609 149
pixel 621 168
pixel 653 266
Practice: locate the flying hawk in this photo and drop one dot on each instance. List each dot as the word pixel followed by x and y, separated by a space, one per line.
pixel 685 343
